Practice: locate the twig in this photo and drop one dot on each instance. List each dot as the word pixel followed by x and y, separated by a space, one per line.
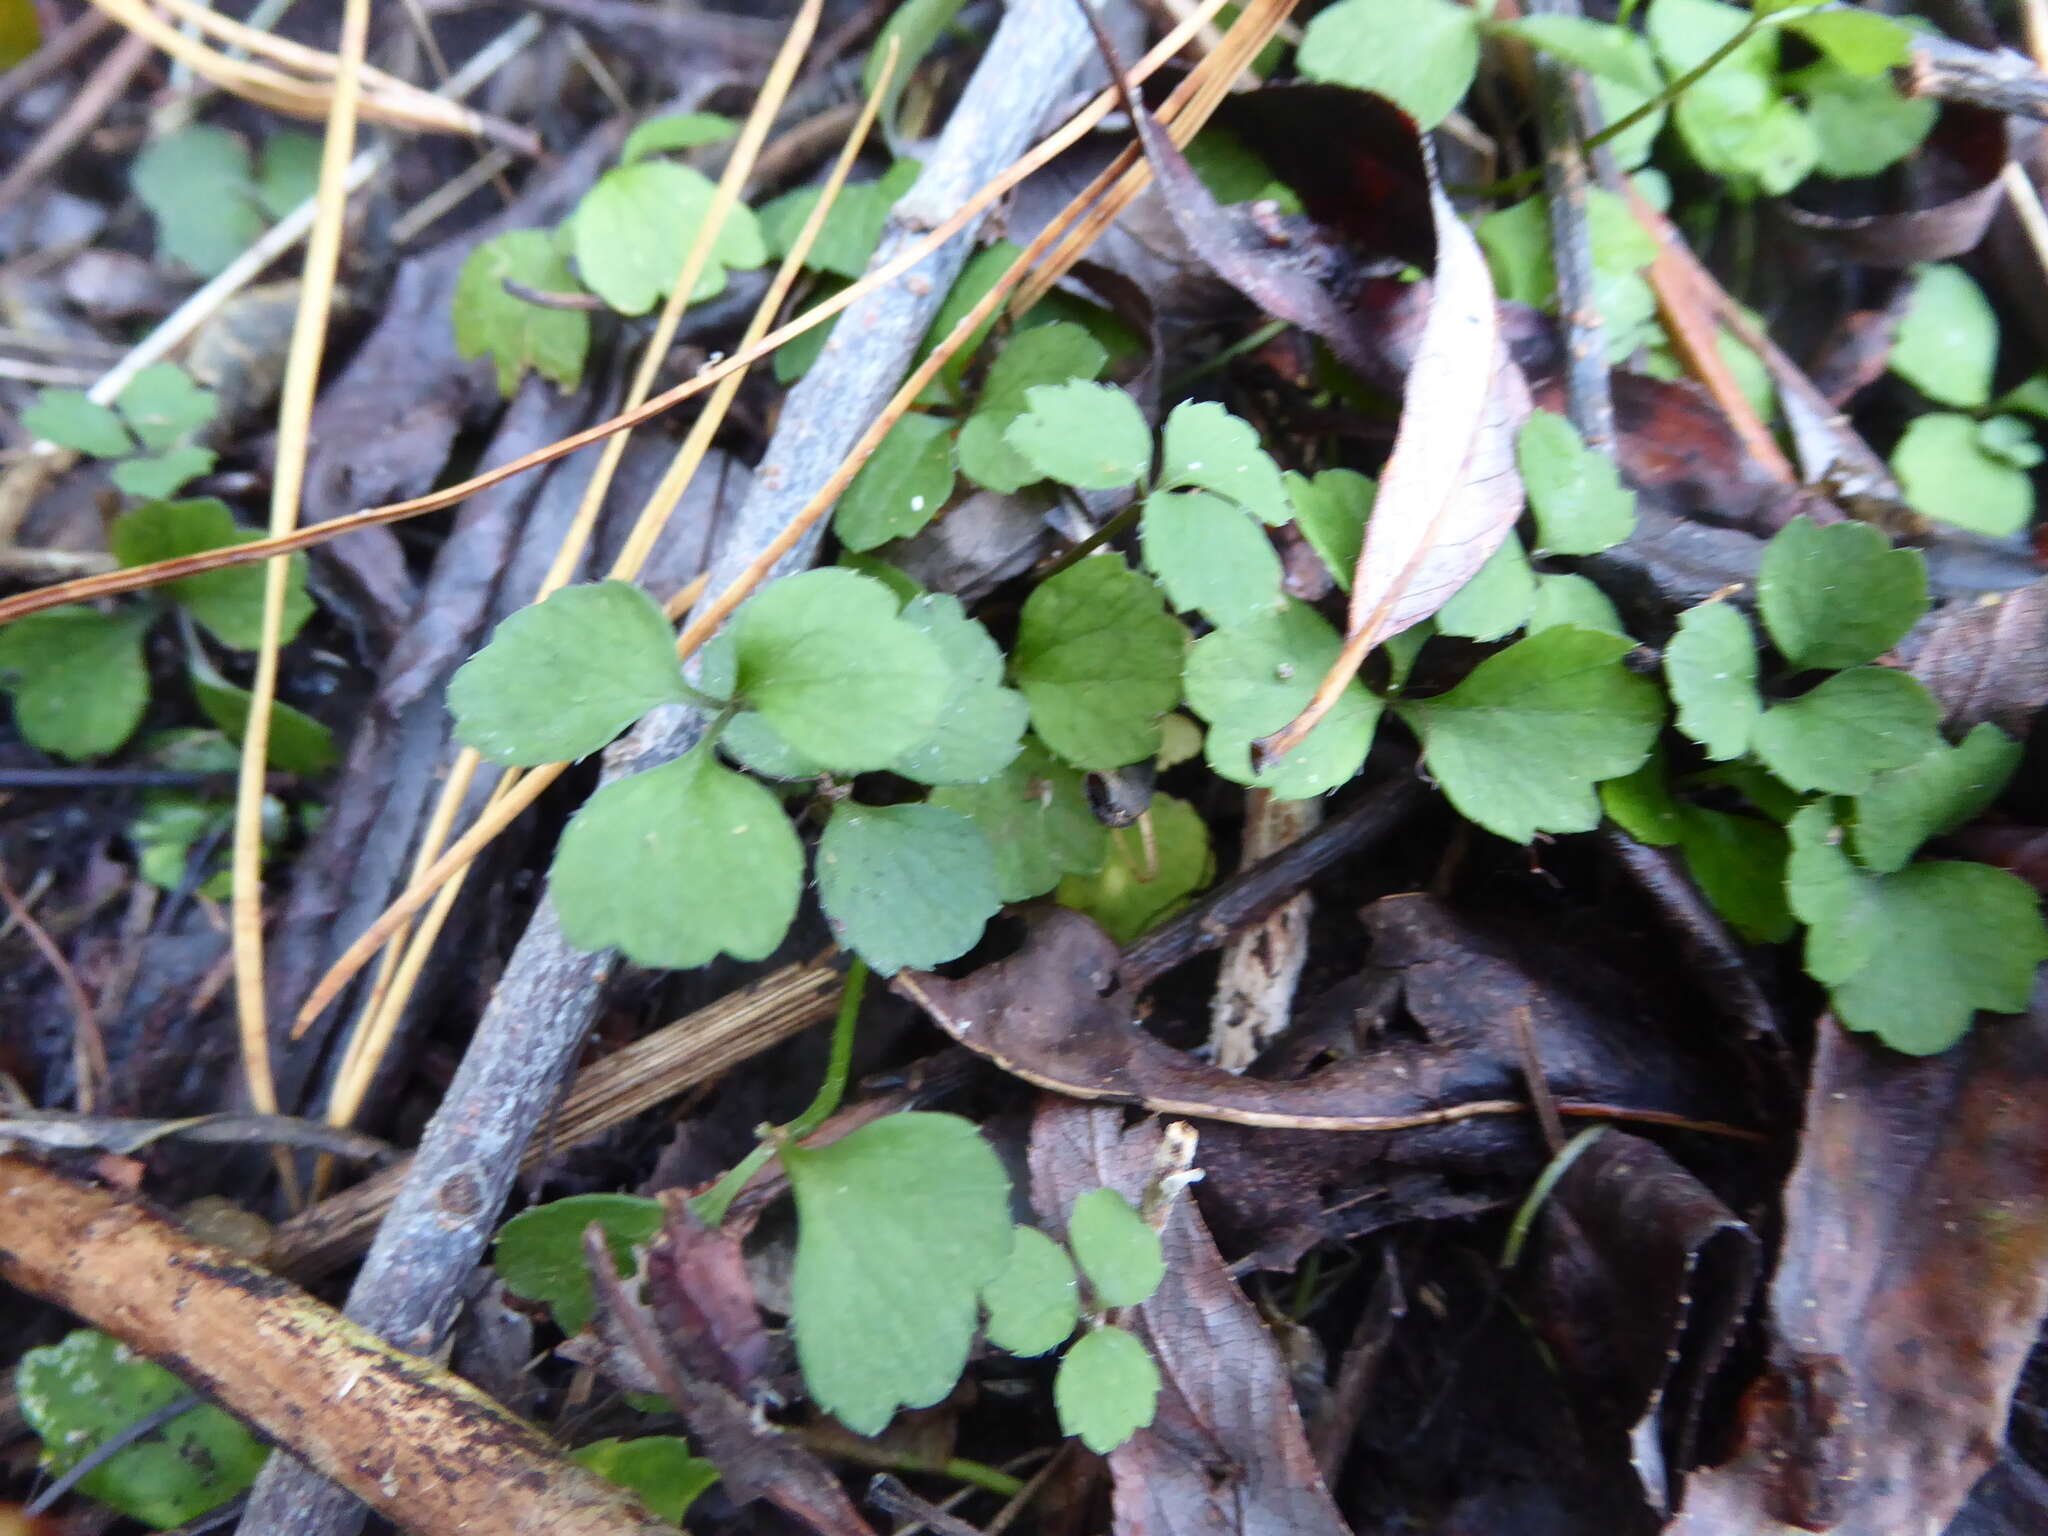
pixel 88 1046
pixel 536 1021
pixel 85 109
pixel 413 1439
pixel 1588 395
pixel 1950 71
pixel 79 33
pixel 109 1448
pixel 1246 898
pixel 25 482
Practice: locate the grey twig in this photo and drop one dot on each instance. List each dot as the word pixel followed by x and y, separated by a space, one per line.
pixel 2004 81
pixel 1589 398
pixel 409 1286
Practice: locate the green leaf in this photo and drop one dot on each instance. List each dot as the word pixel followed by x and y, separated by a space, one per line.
pixel 825 658
pixel 1946 789
pixel 228 602
pixel 21 32
pixel 1733 120
pixel 1838 595
pixel 1249 681
pixel 1710 666
pixel 1566 598
pixel 1519 744
pixel 1947 346
pixel 1035 1302
pixel 677 131
pixel 1044 354
pixel 1496 601
pixel 1091 436
pixel 297 743
pixel 905 885
pixel 1642 805
pixel 163 405
pixel 560 679
pixel 519 335
pixel 901 487
pixel 1107 1388
pixel 852 229
pixel 290 172
pixel 83 1391
pixel 1840 735
pixel 539 1252
pixel 1330 511
pixel 162 475
pixel 1516 240
pixel 1738 863
pixel 196 184
pixel 677 865
pixel 70 419
pixel 1152 869
pixel 1420 54
pixel 1862 42
pixel 1580 504
pixel 633 229
pixel 1099 659
pixel 899 1226
pixel 981 723
pixel 1597 47
pixel 659 1468
pixel 78 679
pixel 1236 173
pixel 1209 556
pixel 914 27
pixel 1948 472
pixel 1035 816
pixel 1119 1254
pixel 2010 441
pixel 980 274
pixel 1912 956
pixel 1862 125
pixel 1206 447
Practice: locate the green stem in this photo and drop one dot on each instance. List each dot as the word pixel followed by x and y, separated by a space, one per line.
pixel 1546 1181
pixel 1674 89
pixel 1098 538
pixel 712 1205
pixel 833 1088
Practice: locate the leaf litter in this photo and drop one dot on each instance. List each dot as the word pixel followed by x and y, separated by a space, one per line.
pixel 1112 545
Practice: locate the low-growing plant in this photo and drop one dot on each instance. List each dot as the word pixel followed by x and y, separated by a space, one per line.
pixel 80 677
pixel 146 435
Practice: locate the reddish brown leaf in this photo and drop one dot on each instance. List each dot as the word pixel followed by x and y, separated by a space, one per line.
pixel 1986 660
pixel 1227 1452
pixel 1913 1281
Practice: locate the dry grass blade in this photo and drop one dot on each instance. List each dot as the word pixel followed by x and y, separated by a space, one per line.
pixel 295 415
pixel 384 98
pixel 379 1021
pixel 632 1080
pixel 1129 173
pixel 702 625
pixel 141 577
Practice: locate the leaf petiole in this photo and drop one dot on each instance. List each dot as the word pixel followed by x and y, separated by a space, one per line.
pixel 712 1205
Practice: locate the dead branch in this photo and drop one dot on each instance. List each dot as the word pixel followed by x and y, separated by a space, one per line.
pixel 416 1443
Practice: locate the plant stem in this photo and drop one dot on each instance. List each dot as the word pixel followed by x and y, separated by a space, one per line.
pixel 1674 89
pixel 712 1205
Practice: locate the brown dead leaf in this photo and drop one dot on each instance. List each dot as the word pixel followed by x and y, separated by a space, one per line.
pixel 1227 1452
pixel 1912 1284
pixel 1642 1276
pixel 1940 199
pixel 1986 660
pixel 699 1291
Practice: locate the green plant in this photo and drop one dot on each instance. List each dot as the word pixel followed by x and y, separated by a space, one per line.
pixel 148 432
pixel 79 677
pixel 210 201
pixel 1839 780
pixel 88 1388
pixel 904 1241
